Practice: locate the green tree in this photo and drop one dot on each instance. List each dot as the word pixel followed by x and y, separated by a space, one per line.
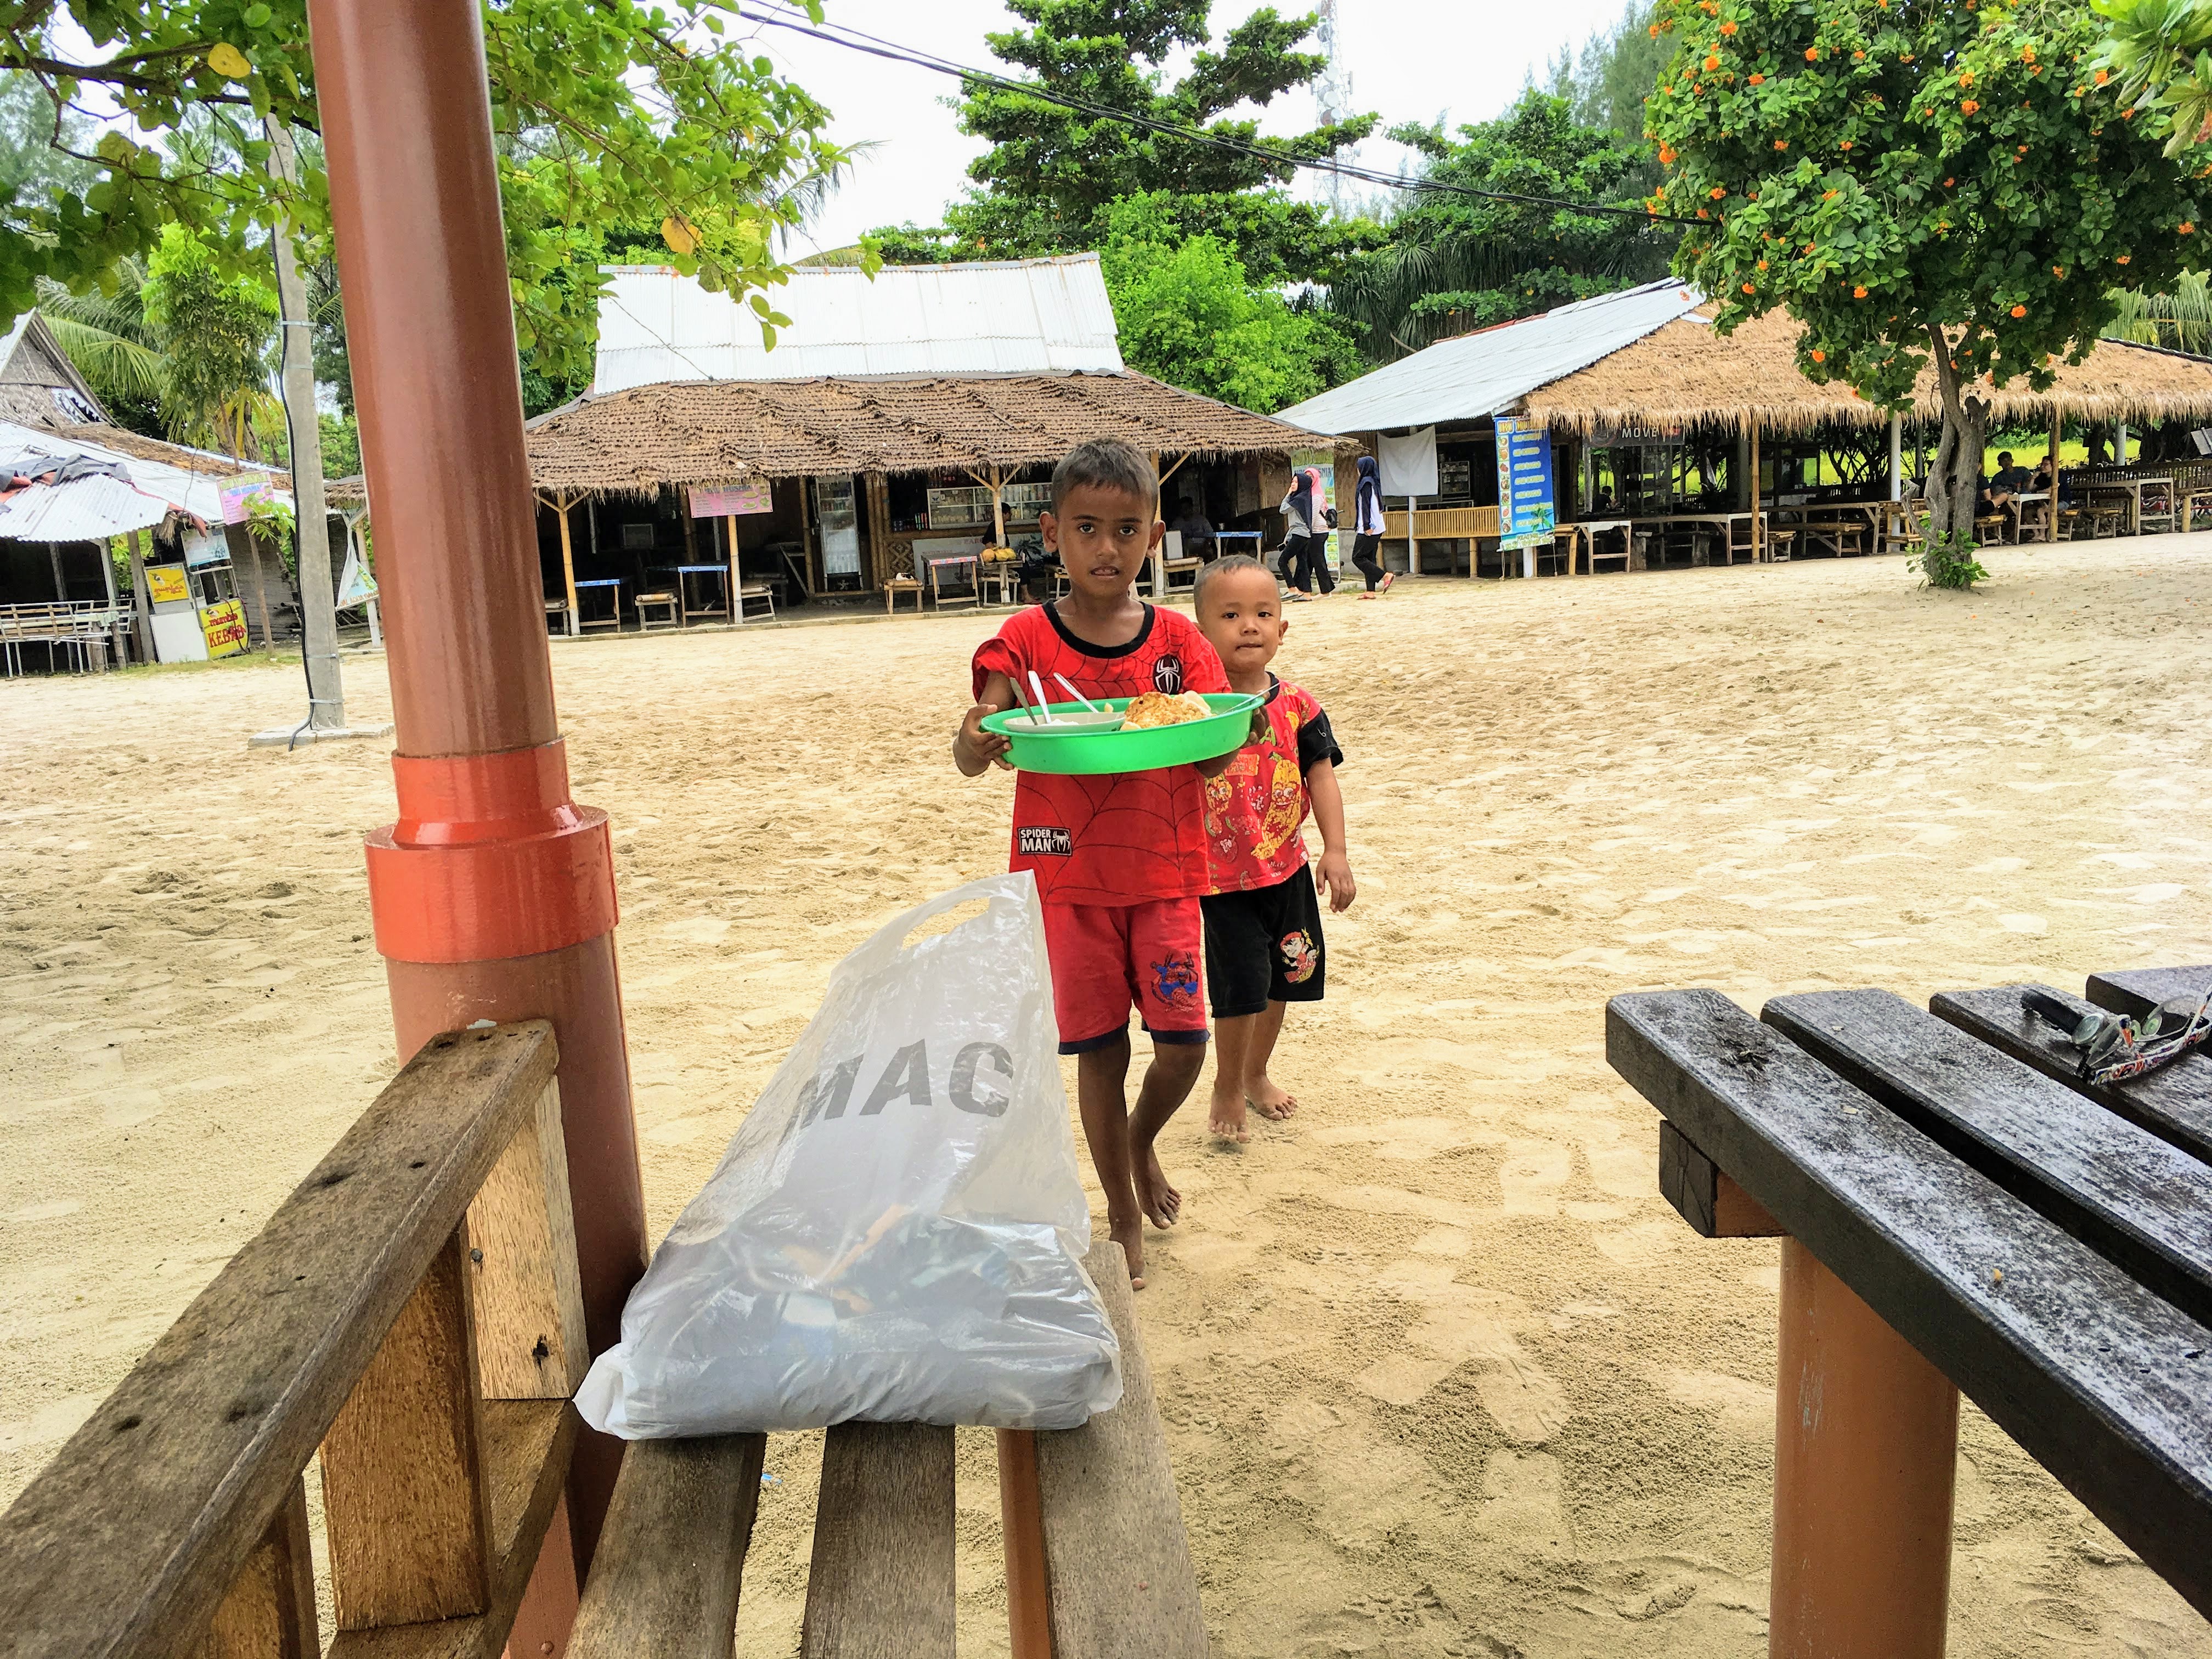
pixel 182 350
pixel 604 115
pixel 1915 183
pixel 1188 313
pixel 1609 83
pixel 1454 263
pixel 1045 185
pixel 2160 51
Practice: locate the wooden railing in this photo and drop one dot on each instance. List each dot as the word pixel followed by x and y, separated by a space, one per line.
pixel 1441 523
pixel 412 1309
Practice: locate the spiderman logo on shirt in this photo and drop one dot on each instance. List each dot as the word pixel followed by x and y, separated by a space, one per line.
pixel 1175 980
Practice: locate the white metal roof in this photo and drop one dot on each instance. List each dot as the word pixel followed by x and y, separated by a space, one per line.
pixel 1001 317
pixel 81 510
pixel 1487 374
pixel 197 493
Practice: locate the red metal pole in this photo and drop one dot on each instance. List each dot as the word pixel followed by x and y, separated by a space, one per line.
pixel 493 894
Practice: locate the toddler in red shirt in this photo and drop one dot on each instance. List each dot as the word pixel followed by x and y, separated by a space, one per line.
pixel 1120 859
pixel 1263 942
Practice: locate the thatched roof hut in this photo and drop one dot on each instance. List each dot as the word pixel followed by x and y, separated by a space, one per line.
pixel 712 432
pixel 1685 374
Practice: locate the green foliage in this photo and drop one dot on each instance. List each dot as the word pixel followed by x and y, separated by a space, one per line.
pixel 1188 313
pixel 1948 560
pixel 605 114
pixel 1455 263
pixel 1616 73
pixel 1046 182
pixel 1883 168
pixel 2179 320
pixel 2160 54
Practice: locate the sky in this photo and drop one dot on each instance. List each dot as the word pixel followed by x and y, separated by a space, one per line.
pixel 1409 60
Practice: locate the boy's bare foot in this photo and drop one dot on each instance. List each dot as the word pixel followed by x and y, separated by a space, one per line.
pixel 1160 1202
pixel 1130 1236
pixel 1225 1120
pixel 1271 1102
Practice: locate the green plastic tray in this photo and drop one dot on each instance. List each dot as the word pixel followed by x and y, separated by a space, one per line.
pixel 1127 751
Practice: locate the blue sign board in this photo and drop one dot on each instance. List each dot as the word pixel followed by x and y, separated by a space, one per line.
pixel 1526 513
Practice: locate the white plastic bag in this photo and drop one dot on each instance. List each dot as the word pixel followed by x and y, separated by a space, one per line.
pixel 896 1233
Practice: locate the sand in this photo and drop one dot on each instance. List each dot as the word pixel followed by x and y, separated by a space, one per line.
pixel 1443 1373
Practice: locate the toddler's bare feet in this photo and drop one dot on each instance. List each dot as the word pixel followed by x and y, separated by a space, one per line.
pixel 1160 1202
pixel 1270 1101
pixel 1225 1119
pixel 1129 1234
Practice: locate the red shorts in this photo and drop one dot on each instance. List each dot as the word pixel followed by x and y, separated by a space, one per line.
pixel 1107 957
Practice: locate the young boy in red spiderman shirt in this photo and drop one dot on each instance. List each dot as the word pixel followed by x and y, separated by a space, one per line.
pixel 1120 859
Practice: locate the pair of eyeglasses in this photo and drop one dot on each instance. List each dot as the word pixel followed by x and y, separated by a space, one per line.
pixel 2113 1048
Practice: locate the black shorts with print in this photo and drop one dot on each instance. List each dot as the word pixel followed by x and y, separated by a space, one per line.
pixel 1264 945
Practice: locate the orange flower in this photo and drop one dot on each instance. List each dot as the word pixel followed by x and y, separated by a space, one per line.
pixel 1728 28
pixel 1947 182
pixel 1859 293
pixel 1666 154
pixel 1967 106
pixel 1782 143
pixel 1762 264
pixel 2127 115
pixel 1758 80
pixel 2102 77
pixel 1819 356
pixel 1716 192
pixel 2058 271
pixel 1812 54
pixel 2028 53
pixel 1828 196
pixel 1655 30
pixel 1702 214
pixel 1712 60
pixel 1968 79
pixel 1858 57
pixel 1846 144
pixel 1748 289
pixel 2185 226
pixel 2123 258
pixel 2020 311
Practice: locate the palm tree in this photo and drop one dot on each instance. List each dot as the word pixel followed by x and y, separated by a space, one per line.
pixel 2180 321
pixel 178 348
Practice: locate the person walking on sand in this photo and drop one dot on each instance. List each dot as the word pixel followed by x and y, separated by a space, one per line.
pixel 1119 859
pixel 1264 949
pixel 1305 554
pixel 1367 527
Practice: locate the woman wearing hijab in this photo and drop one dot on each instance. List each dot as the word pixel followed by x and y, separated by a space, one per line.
pixel 1305 553
pixel 1367 527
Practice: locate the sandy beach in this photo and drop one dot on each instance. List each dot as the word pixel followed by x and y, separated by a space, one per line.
pixel 1444 1375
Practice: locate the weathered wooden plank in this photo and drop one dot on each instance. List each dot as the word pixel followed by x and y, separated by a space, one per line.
pixel 2138 990
pixel 270 1611
pixel 2094 1374
pixel 671 1555
pixel 881 1583
pixel 529 1297
pixel 1705 1196
pixel 1119 1564
pixel 124 1543
pixel 2143 1205
pixel 2174 1102
pixel 527 1445
pixel 406 1500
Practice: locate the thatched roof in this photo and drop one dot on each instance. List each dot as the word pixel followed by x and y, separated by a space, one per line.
pixel 1685 374
pixel 714 432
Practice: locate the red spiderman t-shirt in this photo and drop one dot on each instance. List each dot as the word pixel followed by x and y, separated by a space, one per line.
pixel 1119 838
pixel 1253 809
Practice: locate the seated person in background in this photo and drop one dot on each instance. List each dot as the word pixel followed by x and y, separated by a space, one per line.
pixel 2042 480
pixel 1197 532
pixel 2011 475
pixel 1996 493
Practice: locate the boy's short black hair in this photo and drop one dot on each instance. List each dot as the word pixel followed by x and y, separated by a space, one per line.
pixel 1107 464
pixel 1209 572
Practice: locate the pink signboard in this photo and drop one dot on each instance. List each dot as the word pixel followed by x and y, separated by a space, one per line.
pixel 752 496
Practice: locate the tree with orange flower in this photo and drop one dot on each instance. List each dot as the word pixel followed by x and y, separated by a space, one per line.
pixel 1915 183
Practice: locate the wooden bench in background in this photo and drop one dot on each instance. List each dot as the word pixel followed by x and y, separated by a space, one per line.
pixel 413 1311
pixel 1959 1215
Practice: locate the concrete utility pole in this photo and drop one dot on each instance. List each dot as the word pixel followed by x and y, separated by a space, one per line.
pixel 318 625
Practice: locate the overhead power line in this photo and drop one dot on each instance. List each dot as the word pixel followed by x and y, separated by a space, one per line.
pixel 875 46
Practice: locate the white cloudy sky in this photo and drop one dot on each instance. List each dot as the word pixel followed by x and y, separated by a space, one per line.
pixel 1409 59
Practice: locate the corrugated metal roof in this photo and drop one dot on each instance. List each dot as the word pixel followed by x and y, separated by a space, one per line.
pixel 1003 317
pixel 197 493
pixel 82 510
pixel 1485 374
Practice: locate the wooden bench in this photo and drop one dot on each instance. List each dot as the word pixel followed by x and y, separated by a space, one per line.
pixel 669 603
pixel 413 1310
pixel 1959 1215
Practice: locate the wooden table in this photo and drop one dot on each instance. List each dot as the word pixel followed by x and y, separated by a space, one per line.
pixel 1587 531
pixel 1803 520
pixel 2133 488
pixel 686 575
pixel 1959 1214
pixel 2017 508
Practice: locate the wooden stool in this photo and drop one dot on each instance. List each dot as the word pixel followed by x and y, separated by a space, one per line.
pixel 665 603
pixel 755 593
pixel 1779 543
pixel 896 586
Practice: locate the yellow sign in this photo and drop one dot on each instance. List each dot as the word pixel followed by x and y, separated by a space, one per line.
pixel 166 582
pixel 224 624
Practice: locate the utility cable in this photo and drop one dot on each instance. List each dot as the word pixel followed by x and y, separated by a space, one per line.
pixel 759 11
